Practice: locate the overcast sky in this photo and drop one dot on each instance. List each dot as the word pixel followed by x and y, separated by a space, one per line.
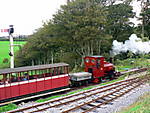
pixel 27 15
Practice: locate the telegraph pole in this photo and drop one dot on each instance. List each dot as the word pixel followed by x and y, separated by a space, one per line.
pixel 11 53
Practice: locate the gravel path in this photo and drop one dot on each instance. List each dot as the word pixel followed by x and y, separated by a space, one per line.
pixel 123 101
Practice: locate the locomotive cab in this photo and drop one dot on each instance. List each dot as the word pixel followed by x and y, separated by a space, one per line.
pixel 98 67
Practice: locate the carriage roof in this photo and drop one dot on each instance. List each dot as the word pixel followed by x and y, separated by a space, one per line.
pixel 29 68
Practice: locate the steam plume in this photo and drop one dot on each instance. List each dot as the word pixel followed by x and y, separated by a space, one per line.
pixel 134 44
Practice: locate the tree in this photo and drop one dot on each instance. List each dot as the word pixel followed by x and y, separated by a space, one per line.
pixel 78 29
pixel 81 24
pixel 119 25
pixel 146 22
pixel 41 48
pixel 143 28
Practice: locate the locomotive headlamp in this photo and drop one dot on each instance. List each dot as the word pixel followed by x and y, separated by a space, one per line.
pixel 11 29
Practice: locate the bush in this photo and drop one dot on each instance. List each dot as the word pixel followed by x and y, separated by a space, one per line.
pixel 8 107
pixel 5 60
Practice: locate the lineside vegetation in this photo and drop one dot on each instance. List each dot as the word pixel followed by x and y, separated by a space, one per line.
pixel 4 52
pixel 141 106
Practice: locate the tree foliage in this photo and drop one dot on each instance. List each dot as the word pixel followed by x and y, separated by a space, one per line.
pixel 146 21
pixel 119 25
pixel 80 28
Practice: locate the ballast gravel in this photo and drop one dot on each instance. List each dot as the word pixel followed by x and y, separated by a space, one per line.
pixel 112 107
pixel 123 101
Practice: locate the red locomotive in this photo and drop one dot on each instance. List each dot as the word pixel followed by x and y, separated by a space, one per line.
pixel 98 67
pixel 32 79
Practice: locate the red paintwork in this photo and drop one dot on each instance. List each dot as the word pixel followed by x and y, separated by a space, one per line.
pixel 108 66
pixel 48 84
pixel 97 66
pixel 15 91
pixel 23 89
pixel 2 95
pixel 40 86
pixel 33 87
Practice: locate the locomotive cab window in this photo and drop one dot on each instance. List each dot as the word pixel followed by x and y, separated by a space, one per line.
pixel 87 60
pixel 98 63
pixel 93 61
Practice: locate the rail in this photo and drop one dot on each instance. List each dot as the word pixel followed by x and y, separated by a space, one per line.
pixel 111 91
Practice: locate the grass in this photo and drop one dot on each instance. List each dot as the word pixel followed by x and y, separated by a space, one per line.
pixel 141 106
pixel 4 51
pixel 132 63
pixel 8 107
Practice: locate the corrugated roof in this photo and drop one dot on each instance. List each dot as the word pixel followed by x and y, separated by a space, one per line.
pixel 29 68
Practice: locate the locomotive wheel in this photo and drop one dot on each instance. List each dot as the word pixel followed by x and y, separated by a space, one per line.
pixel 96 80
pixel 102 79
pixel 86 82
pixel 111 75
pixel 80 84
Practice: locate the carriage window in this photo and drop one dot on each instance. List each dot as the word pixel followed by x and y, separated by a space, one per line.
pixel 14 77
pixel 4 79
pixel 30 73
pixel 47 72
pixel 34 72
pixel 23 76
pixel 57 70
pixel 62 70
pixel 66 69
pixel 1 80
pixel 54 72
pixel 51 70
pixel 44 72
pixel 40 73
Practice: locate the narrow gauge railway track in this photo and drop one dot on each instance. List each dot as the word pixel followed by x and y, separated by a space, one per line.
pixel 44 95
pixel 28 98
pixel 104 99
pixel 86 100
